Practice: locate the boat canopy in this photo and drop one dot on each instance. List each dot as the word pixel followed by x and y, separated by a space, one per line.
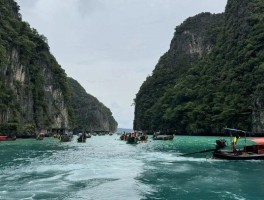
pixel 259 141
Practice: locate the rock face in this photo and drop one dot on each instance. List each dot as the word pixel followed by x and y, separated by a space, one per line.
pixel 33 85
pixel 90 114
pixel 34 89
pixel 192 40
pixel 44 106
pixel 211 77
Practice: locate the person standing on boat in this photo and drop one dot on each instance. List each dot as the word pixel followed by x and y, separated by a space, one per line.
pixel 234 142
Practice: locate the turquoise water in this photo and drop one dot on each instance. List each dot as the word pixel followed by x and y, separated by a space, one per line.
pixel 107 168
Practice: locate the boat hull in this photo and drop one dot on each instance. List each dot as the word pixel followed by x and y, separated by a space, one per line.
pixel 81 140
pixel 227 155
pixel 163 137
pixel 65 138
pixel 6 138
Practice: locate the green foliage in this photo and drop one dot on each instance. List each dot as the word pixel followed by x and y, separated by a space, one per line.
pixel 222 88
pixel 17 37
pixel 87 112
pixel 9 128
pixel 6 96
pixel 28 129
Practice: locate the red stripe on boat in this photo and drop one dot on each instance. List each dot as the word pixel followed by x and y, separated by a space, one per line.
pixel 3 137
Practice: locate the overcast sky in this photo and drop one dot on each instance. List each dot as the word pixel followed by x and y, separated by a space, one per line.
pixel 111 46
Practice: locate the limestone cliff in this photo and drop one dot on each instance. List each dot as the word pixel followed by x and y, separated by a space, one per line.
pixel 211 78
pixel 33 85
pixel 90 114
pixel 34 89
pixel 192 40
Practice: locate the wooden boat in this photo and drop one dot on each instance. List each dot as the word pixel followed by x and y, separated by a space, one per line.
pixel 132 140
pixel 249 152
pixel 65 138
pixel 144 138
pixel 82 138
pixel 7 138
pixel 239 155
pixel 163 137
pixel 124 137
pixel 40 136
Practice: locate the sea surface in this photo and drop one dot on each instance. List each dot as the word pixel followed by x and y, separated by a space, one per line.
pixel 106 168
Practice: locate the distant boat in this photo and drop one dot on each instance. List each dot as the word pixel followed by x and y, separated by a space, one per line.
pixel 132 140
pixel 40 136
pixel 7 138
pixel 163 137
pixel 82 137
pixel 144 138
pixel 65 138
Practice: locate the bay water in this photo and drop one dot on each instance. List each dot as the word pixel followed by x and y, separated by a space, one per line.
pixel 107 168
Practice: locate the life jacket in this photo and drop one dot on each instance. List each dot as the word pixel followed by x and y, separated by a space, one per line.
pixel 234 141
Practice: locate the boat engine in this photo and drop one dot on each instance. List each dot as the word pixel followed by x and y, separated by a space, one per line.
pixel 220 144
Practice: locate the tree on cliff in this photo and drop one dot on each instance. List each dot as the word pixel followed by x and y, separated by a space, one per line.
pixel 223 87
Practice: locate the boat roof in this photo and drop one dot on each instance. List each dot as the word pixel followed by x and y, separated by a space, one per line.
pixel 233 129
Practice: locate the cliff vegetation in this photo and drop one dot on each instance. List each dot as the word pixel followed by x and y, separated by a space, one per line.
pixel 34 89
pixel 89 113
pixel 211 77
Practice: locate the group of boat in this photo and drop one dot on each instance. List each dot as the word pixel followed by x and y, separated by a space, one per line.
pixel 253 151
pixel 134 137
pixel 137 137
pixel 68 136
pixel 82 137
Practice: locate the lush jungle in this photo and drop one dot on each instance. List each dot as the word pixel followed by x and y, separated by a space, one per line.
pixel 211 77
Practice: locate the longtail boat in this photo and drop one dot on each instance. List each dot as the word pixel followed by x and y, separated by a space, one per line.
pixel 65 138
pixel 82 137
pixel 163 137
pixel 248 152
pixel 7 138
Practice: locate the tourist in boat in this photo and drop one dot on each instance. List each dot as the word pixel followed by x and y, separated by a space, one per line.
pixel 234 142
pixel 82 137
pixel 123 137
pixel 144 137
